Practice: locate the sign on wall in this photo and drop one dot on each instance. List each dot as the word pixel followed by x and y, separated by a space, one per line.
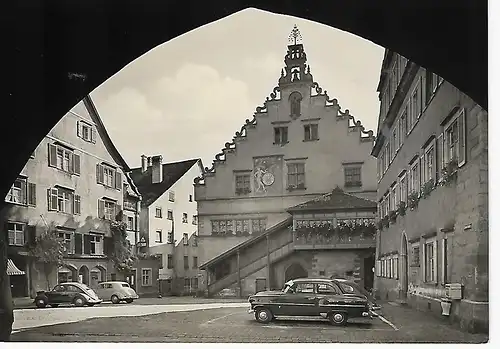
pixel 268 174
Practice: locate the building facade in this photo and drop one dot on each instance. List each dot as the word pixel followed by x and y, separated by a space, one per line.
pixel 168 214
pixel 73 186
pixel 292 151
pixel 432 153
pixel 330 236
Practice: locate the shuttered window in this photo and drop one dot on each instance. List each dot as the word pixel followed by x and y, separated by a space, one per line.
pixel 64 159
pixel 109 176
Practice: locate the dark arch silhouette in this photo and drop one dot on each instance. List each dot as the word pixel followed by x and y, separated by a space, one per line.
pixel 93 40
pixel 295 271
pixel 85 275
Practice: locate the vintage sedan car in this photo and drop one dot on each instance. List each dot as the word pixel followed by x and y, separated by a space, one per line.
pixel 116 291
pixel 349 286
pixel 67 293
pixel 310 297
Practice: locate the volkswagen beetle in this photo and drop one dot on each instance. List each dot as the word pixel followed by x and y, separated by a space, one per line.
pixel 67 293
pixel 310 297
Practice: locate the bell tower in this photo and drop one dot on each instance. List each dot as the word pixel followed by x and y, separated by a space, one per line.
pixel 296 72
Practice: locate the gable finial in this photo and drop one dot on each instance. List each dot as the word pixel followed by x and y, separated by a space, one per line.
pixel 295 35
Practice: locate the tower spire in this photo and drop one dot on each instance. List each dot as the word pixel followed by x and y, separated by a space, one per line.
pixel 295 35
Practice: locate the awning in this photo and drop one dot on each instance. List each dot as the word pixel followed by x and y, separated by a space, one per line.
pixel 12 269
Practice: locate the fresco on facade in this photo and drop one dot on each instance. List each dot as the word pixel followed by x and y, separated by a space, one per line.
pixel 268 175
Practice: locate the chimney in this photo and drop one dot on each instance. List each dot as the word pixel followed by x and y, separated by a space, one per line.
pixel 157 171
pixel 144 163
pixel 149 161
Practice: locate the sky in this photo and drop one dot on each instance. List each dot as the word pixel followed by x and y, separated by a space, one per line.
pixel 187 97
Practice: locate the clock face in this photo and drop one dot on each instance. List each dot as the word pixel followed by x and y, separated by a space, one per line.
pixel 268 179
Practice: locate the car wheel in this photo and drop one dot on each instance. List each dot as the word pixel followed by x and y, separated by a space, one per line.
pixel 337 318
pixel 41 303
pixel 263 315
pixel 79 302
pixel 130 301
pixel 115 299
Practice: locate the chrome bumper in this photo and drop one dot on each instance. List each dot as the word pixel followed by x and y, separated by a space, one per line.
pixel 251 311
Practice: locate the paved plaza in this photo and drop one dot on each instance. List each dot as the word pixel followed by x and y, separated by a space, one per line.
pixel 224 322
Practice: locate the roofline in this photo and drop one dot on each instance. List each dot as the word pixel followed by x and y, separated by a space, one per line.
pixel 169 163
pixel 248 242
pixel 132 184
pixel 198 161
pixel 89 103
pixel 330 209
pixel 385 62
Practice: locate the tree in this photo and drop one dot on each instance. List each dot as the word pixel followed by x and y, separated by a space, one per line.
pixel 48 250
pixel 121 250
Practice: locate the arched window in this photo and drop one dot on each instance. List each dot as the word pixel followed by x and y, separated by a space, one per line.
pixel 295 99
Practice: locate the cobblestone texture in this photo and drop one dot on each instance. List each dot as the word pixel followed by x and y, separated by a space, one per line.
pixel 236 325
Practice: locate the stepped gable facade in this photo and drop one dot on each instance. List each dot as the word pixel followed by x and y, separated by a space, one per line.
pixel 290 152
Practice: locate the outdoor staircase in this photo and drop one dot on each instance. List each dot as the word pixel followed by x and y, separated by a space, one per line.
pixel 251 268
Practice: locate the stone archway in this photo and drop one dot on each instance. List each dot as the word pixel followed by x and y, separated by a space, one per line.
pixel 295 271
pixel 403 267
pixel 67 273
pixel 97 274
pixel 84 275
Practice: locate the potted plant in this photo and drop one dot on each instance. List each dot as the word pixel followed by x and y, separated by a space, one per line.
pixel 393 215
pixel 427 188
pixel 413 200
pixel 449 171
pixel 401 208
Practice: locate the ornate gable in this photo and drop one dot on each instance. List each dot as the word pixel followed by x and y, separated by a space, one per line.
pixel 295 85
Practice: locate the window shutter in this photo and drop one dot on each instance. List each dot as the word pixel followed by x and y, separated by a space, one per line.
pixel 77 204
pixel 76 164
pixel 108 246
pixel 78 243
pixel 78 129
pixel 421 168
pixel 100 208
pixel 31 194
pixel 439 157
pixel 30 235
pixel 99 174
pixel 444 261
pixel 86 244
pixel 443 150
pixel 118 211
pixel 118 180
pixel 24 199
pixel 92 135
pixel 461 139
pixel 435 261
pixel 52 155
pixel 424 262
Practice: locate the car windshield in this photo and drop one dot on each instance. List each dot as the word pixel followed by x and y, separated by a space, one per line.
pixel 287 287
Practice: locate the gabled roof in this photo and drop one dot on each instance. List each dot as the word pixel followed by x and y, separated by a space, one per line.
pixel 94 114
pixel 132 188
pixel 172 172
pixel 284 223
pixel 337 200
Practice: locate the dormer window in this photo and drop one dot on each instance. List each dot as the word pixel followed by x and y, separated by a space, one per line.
pixel 85 131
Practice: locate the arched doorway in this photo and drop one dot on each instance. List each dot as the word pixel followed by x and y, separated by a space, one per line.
pixel 83 275
pixel 403 267
pixel 295 271
pixel 67 273
pixel 97 274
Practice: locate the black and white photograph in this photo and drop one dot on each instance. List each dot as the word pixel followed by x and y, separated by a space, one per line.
pixel 247 172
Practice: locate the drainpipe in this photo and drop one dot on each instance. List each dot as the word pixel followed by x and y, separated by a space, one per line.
pixel 239 274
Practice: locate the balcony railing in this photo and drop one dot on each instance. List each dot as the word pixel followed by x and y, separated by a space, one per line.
pixel 343 237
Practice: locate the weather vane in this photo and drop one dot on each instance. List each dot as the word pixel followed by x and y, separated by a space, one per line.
pixel 295 35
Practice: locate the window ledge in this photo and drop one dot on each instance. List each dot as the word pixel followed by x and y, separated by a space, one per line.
pixel 17 203
pixel 296 189
pixel 310 140
pixel 281 143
